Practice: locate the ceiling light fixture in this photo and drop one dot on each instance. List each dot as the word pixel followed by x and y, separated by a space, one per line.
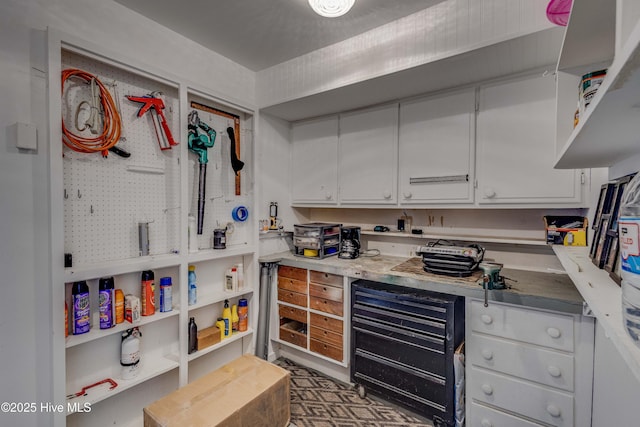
pixel 331 8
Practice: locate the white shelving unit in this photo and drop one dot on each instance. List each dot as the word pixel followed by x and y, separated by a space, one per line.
pixel 97 223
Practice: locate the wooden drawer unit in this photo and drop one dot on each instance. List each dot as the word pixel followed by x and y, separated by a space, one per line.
pixel 292 313
pixel 326 322
pixel 292 297
pixel 292 273
pixel 326 292
pixel 325 278
pixel 331 351
pixel 547 329
pixel 294 332
pixel 326 305
pixel 294 285
pixel 328 337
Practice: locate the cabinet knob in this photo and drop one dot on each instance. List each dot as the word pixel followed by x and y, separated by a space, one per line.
pixel 487 354
pixel 407 195
pixel 386 194
pixel 489 192
pixel 554 371
pixel 328 195
pixel 486 423
pixel 486 319
pixel 554 332
pixel 487 389
pixel 553 410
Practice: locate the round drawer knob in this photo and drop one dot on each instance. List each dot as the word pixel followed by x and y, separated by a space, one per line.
pixel 386 194
pixel 487 354
pixel 486 423
pixel 554 371
pixel 487 389
pixel 486 319
pixel 554 332
pixel 328 195
pixel 407 195
pixel 553 410
pixel 489 193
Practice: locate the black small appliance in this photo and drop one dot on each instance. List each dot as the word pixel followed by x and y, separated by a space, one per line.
pixel 349 243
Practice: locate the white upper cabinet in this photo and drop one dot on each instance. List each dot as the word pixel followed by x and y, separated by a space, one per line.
pixel 314 158
pixel 516 146
pixel 436 149
pixel 367 156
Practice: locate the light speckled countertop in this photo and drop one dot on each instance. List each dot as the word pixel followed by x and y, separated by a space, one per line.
pixel 550 291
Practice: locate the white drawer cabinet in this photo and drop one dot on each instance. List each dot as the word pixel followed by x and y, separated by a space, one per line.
pixel 527 366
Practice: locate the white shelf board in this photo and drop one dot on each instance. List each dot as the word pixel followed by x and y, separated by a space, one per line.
pixel 212 297
pixel 151 368
pixel 603 296
pixel 609 131
pixel 212 254
pixel 466 238
pixel 226 341
pixel 96 333
pixel 114 268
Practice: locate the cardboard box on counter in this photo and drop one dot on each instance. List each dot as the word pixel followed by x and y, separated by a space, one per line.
pixel 245 392
pixel 566 230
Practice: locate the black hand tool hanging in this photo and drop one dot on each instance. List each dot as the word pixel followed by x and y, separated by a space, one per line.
pixel 236 163
pixel 199 145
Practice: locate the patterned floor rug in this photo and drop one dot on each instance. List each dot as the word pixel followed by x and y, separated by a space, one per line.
pixel 318 401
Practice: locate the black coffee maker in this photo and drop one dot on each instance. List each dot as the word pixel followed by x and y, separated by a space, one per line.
pixel 349 243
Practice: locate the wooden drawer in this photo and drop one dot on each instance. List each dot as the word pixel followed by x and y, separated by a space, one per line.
pixel 326 305
pixel 292 313
pixel 521 397
pixel 482 416
pixel 292 332
pixel 325 278
pixel 537 364
pixel 325 322
pixel 543 328
pixel 292 272
pixel 292 285
pixel 325 349
pixel 327 337
pixel 326 292
pixel 292 297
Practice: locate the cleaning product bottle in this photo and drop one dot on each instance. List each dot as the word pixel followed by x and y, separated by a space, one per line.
pixel 193 290
pixel 130 353
pixel 220 325
pixel 243 315
pixel 106 306
pixel 80 308
pixel 148 293
pixel 226 316
pixel 234 319
pixel 193 335
pixel 165 294
pixel 229 281
pixel 119 298
pixel 629 237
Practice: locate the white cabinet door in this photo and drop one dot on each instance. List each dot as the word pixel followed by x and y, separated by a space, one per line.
pixel 367 156
pixel 516 145
pixel 314 157
pixel 436 149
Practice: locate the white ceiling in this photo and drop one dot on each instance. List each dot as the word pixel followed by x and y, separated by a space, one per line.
pixel 262 33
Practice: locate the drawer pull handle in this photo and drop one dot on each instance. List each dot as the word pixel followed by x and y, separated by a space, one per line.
pixel 554 371
pixel 554 332
pixel 487 389
pixel 487 354
pixel 486 423
pixel 553 410
pixel 487 319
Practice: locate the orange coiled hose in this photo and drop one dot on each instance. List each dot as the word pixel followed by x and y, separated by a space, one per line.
pixel 112 123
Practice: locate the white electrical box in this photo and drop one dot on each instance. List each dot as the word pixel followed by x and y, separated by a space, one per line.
pixel 25 135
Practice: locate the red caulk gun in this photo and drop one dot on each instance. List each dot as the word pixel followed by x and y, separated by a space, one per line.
pixel 155 103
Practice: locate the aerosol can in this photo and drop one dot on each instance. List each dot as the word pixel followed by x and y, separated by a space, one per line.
pixel 130 353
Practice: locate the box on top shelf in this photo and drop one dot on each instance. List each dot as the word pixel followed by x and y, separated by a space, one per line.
pixel 566 230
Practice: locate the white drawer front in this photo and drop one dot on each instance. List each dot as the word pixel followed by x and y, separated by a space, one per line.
pixel 481 416
pixel 531 326
pixel 521 360
pixel 533 401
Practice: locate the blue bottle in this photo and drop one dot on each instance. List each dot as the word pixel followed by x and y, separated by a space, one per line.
pixel 193 295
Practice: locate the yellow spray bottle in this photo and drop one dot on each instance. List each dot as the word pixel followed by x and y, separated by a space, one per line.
pixel 226 316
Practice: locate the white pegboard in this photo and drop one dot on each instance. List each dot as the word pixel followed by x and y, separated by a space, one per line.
pixel 220 184
pixel 105 199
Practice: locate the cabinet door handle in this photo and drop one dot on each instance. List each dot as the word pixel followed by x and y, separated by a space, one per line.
pixel 486 423
pixel 386 194
pixel 554 371
pixel 553 410
pixel 328 195
pixel 487 389
pixel 489 192
pixel 486 319
pixel 407 195
pixel 554 332
pixel 487 354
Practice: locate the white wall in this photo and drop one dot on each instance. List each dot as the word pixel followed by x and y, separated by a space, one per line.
pixel 25 315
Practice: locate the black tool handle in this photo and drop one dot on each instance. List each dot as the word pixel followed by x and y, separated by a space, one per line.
pixel 202 181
